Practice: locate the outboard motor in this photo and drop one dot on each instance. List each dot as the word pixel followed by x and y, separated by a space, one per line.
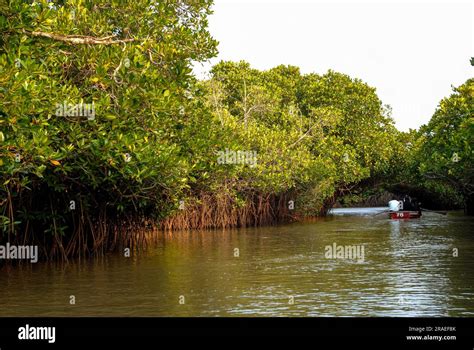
pixel 394 205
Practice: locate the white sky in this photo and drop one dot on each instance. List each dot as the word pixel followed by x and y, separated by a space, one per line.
pixel 411 52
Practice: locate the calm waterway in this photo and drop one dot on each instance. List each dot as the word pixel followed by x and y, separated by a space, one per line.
pixel 409 268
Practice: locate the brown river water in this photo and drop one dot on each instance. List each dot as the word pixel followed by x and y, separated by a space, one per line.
pixel 418 267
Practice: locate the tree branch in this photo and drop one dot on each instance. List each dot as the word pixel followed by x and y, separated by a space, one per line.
pixel 303 136
pixel 79 39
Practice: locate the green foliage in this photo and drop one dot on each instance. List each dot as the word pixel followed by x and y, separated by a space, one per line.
pixel 129 158
pixel 315 135
pixel 444 154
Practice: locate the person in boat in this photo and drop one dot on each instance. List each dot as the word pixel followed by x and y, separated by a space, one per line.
pixel 411 204
pixel 416 205
pixel 394 205
pixel 407 203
